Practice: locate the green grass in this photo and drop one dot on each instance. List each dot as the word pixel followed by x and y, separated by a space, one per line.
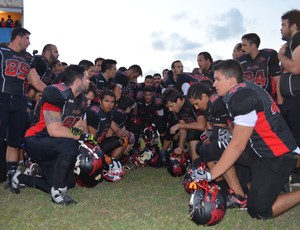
pixel 147 198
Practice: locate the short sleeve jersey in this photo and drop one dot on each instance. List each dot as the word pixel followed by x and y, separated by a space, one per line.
pixel 99 120
pixel 271 137
pixel 58 98
pixel 187 113
pixel 104 84
pixel 262 69
pixel 14 69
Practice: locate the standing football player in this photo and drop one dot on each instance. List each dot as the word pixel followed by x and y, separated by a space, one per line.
pixel 15 67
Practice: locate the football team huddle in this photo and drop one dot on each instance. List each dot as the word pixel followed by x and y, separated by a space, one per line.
pixel 230 128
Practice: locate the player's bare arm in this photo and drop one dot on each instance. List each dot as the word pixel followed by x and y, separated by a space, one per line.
pixel 291 65
pixel 54 125
pixel 35 80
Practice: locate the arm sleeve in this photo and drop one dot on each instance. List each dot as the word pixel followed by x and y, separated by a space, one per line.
pixel 248 119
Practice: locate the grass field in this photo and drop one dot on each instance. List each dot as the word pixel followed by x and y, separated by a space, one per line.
pixel 147 198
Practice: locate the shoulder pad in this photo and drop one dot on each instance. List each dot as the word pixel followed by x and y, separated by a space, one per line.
pixel 56 94
pixel 244 101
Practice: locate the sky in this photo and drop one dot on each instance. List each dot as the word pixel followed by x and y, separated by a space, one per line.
pixel 151 33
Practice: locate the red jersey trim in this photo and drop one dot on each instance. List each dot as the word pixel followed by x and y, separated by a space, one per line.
pixel 264 130
pixel 41 125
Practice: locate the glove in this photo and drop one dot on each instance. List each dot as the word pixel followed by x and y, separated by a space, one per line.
pixel 89 138
pixel 76 131
pixel 224 137
pixel 203 137
pixel 201 175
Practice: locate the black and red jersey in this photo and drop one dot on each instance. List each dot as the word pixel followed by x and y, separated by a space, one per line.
pixel 149 113
pixel 262 69
pixel 128 87
pixel 43 68
pixel 58 98
pixel 271 136
pixel 103 84
pixel 216 112
pixel 14 69
pixel 188 113
pixel 99 120
pixel 119 117
pixel 290 83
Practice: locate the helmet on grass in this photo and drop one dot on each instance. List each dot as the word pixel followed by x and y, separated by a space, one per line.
pixel 207 205
pixel 89 165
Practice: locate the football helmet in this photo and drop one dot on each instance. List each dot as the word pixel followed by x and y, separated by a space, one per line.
pixel 207 205
pixel 148 157
pixel 89 165
pixel 187 181
pixel 114 172
pixel 177 165
pixel 149 134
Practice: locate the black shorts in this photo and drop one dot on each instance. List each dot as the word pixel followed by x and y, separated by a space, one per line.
pixel 108 144
pixel 13 119
pixel 268 176
pixel 193 135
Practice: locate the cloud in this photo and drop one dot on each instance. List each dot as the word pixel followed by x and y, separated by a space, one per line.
pixel 172 42
pixel 180 16
pixel 227 25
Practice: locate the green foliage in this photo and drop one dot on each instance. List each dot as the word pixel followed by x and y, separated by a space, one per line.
pixel 147 198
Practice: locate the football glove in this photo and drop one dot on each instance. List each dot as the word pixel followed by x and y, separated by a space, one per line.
pixel 76 131
pixel 224 137
pixel 89 138
pixel 199 175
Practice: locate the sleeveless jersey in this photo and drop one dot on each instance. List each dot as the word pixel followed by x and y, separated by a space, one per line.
pixel 271 136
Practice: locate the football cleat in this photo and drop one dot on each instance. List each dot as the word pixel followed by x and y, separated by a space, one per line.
pixel 12 180
pixel 60 196
pixel 234 200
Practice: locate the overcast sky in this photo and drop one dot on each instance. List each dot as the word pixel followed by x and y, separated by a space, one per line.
pixel 151 33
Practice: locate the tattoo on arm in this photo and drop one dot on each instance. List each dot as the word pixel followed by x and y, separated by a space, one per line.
pixel 52 117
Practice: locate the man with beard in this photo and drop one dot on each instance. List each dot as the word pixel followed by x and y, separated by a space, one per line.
pixel 44 62
pixel 289 55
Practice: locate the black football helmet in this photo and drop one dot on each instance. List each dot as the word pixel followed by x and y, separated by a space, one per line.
pixel 149 134
pixel 89 165
pixel 177 165
pixel 207 205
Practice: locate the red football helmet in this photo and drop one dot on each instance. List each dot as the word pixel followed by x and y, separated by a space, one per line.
pixel 89 165
pixel 207 205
